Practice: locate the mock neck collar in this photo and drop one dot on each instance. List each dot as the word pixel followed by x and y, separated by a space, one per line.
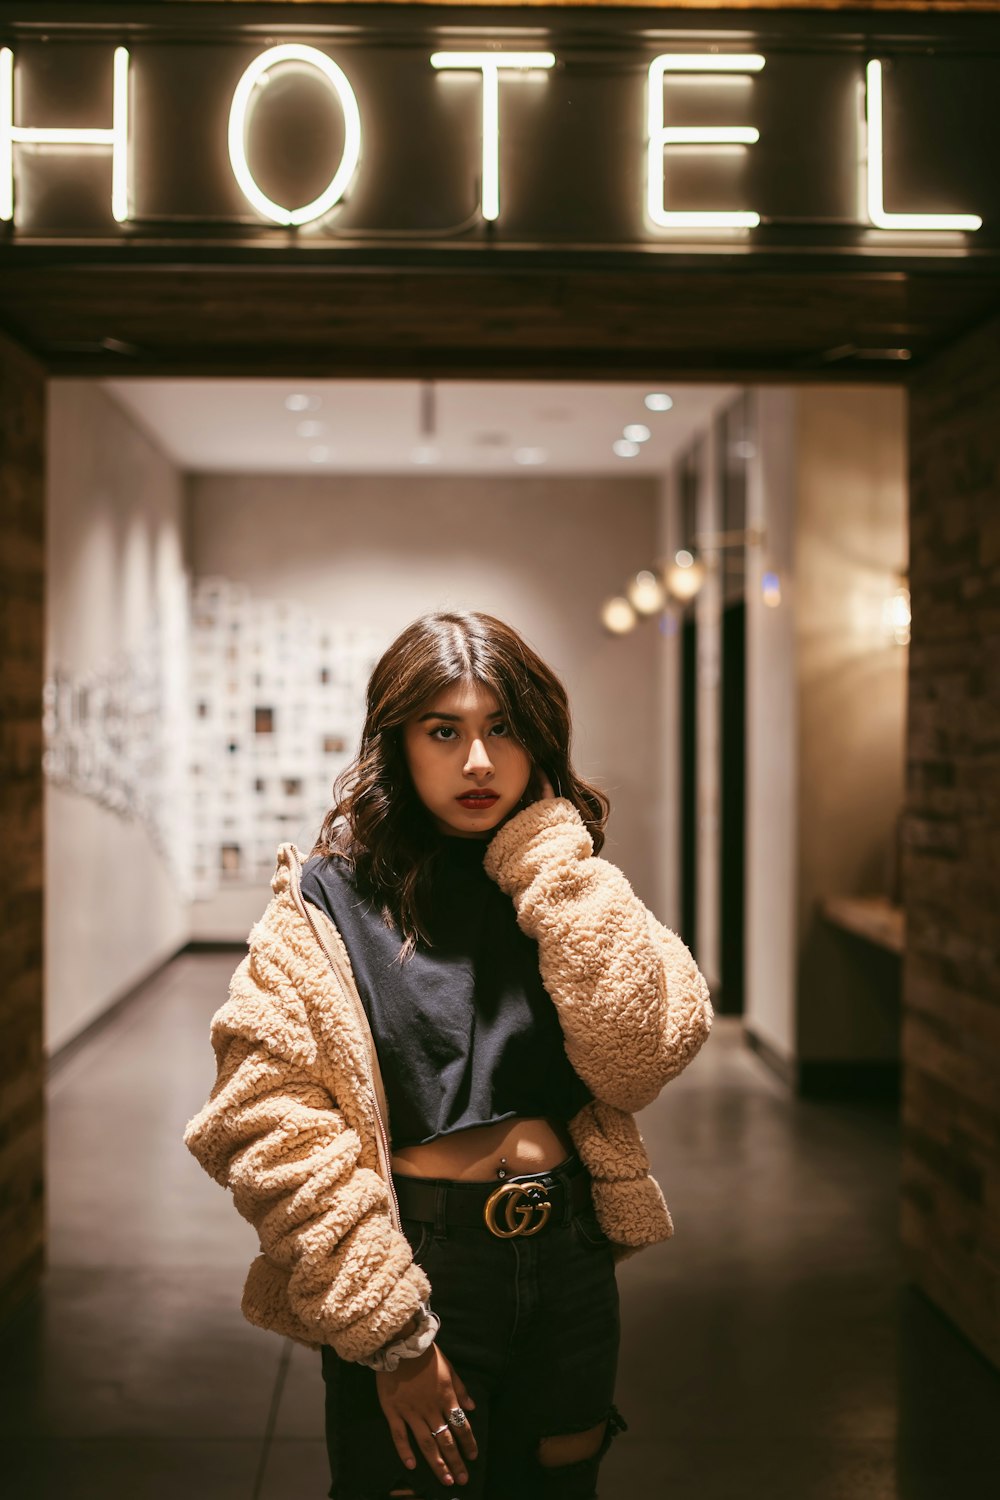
pixel 453 846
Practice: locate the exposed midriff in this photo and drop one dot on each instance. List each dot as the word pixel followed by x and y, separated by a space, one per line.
pixel 529 1144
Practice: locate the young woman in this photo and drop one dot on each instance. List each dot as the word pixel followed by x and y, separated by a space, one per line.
pixel 427 1069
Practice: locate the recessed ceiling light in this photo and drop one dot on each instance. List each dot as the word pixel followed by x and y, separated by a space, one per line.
pixel 635 432
pixel 658 401
pixel 530 455
pixel 424 455
pixel 309 429
pixel 299 401
pixel 624 449
pixel 319 455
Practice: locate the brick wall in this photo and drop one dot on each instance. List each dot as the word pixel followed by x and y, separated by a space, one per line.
pixel 950 1170
pixel 22 578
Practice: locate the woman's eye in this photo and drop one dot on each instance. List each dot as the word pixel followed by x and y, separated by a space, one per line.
pixel 447 728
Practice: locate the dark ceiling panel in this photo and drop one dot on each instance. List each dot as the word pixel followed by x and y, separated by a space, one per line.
pixel 104 320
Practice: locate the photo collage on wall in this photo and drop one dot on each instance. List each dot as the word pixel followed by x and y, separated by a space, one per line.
pixel 277 705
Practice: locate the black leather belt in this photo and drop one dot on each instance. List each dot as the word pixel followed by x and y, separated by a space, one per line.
pixel 516 1207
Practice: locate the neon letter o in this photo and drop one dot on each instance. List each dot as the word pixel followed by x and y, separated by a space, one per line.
pixel 335 76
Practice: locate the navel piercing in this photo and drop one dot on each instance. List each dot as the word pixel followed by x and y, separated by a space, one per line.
pixel 502 1169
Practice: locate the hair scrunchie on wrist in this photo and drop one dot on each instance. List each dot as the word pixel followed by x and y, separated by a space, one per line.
pixel 389 1356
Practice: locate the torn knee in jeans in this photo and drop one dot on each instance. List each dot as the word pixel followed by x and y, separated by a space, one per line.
pixel 571 1447
pixel 616 1424
pixel 579 1447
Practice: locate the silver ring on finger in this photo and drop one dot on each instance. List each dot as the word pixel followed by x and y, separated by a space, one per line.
pixel 436 1430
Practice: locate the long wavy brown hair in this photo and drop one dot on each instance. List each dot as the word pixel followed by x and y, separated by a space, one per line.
pixel 377 822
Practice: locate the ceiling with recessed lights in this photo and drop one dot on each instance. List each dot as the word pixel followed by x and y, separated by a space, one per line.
pixel 413 426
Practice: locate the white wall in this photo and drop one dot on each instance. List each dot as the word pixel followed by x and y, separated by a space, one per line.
pixel 825 714
pixel 772 770
pixel 668 821
pixel 114 553
pixel 541 553
pixel 851 544
pixel 708 708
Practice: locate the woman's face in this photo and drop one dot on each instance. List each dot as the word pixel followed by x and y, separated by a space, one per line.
pixel 459 742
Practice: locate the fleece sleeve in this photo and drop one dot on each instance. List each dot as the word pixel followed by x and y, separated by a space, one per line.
pixel 272 1134
pixel 633 1005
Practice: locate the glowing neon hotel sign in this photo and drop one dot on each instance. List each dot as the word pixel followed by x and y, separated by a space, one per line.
pixel 632 169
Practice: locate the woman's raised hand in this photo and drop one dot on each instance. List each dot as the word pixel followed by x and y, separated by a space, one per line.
pixel 419 1394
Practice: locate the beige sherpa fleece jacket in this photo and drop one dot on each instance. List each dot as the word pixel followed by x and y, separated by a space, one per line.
pixel 296 1125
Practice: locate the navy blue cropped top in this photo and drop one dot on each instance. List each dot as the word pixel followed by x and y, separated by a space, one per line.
pixel 465 1031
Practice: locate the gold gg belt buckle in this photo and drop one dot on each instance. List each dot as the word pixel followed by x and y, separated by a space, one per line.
pixel 513 1209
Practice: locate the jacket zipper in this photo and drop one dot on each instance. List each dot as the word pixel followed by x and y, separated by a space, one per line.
pixel 348 985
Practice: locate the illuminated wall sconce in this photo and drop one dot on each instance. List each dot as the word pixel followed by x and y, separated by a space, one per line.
pixel 684 576
pixel 896 614
pixel 646 593
pixel 650 592
pixel 770 588
pixel 617 616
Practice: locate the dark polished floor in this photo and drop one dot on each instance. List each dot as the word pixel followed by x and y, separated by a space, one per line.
pixel 769 1352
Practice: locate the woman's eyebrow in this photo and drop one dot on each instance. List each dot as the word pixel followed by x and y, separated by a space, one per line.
pixel 457 718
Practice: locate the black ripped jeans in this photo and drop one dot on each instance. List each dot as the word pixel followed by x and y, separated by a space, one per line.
pixel 531 1324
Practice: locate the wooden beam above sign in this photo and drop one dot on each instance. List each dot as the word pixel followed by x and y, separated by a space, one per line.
pixel 197 320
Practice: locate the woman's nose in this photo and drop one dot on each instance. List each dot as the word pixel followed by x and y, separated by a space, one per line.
pixel 478 755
